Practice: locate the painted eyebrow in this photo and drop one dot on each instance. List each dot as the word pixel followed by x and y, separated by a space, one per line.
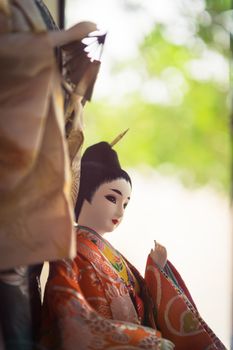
pixel 117 191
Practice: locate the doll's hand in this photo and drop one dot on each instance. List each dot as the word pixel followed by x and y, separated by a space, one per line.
pixel 159 255
pixel 167 345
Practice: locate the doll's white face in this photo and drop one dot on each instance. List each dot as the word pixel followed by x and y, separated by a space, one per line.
pixel 106 210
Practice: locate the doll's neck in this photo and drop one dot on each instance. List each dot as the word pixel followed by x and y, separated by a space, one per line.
pixel 87 219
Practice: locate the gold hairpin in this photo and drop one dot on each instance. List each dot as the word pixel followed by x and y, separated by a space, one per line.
pixel 118 138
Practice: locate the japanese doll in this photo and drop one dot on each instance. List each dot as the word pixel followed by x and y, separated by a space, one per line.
pixel 99 300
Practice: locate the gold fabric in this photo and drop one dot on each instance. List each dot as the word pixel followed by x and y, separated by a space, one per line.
pixel 75 141
pixel 36 213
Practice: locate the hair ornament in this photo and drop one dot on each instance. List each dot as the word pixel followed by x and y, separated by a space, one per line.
pixel 118 138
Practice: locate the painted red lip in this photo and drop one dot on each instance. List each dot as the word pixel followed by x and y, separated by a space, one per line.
pixel 115 221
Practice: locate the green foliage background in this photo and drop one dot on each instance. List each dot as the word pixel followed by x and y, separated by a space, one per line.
pixel 191 136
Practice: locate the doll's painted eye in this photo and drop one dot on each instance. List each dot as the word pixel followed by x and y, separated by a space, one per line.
pixel 111 198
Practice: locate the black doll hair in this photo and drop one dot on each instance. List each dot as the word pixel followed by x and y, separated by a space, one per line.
pixel 99 164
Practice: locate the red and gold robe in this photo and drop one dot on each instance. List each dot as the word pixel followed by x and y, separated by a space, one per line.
pixel 88 304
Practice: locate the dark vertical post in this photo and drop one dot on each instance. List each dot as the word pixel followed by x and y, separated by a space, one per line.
pixel 61 14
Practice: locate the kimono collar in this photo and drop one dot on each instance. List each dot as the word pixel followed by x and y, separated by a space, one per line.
pixel 111 254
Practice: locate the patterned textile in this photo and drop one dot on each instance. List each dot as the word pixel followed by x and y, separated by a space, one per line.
pixel 88 303
pixel 115 258
pixel 177 315
pixel 119 264
pixel 88 306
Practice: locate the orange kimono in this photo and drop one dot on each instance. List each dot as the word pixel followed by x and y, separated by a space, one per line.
pixel 87 306
pixel 100 301
pixel 177 316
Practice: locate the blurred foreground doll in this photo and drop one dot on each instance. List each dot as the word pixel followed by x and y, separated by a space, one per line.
pixel 34 163
pixel 99 300
pixel 36 212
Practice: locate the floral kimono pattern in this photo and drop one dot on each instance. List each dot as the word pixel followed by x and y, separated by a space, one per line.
pixel 88 305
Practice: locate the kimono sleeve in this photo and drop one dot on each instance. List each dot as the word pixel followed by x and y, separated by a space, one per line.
pixel 70 323
pixel 177 316
pixel 36 213
pixel 25 89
